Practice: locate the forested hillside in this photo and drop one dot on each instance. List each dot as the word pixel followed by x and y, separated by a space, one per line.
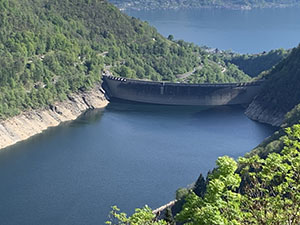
pixel 267 175
pixel 282 87
pixel 175 4
pixel 261 188
pixel 254 64
pixel 253 190
pixel 51 48
pixel 272 160
pixel 281 92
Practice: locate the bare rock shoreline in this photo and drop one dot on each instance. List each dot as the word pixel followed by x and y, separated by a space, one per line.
pixel 33 122
pixel 258 112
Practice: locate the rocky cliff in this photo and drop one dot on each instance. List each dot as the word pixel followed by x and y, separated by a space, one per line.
pixel 32 122
pixel 262 114
pixel 280 93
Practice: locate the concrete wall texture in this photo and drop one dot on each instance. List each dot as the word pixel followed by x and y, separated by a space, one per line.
pixel 180 93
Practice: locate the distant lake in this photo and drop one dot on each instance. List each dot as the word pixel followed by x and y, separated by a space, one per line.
pixel 134 154
pixel 251 31
pixel 127 155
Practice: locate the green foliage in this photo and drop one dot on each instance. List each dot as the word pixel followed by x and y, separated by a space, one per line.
pixel 49 49
pixel 275 142
pixel 292 117
pixel 281 91
pixel 181 193
pixel 255 64
pixel 220 204
pixel 142 216
pixel 280 96
pixel 262 191
pixel 171 37
pixel 268 194
pixel 272 189
pixel 200 186
pixel 214 70
pixel 169 217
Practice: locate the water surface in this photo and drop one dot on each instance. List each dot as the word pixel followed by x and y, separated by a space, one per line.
pixel 245 31
pixel 129 155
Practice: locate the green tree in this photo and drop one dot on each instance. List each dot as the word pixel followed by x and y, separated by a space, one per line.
pixel 142 216
pixel 169 217
pixel 170 37
pixel 49 49
pixel 221 203
pixel 272 190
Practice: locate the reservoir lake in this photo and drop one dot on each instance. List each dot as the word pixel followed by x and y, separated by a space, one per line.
pixel 242 31
pixel 133 154
pixel 127 155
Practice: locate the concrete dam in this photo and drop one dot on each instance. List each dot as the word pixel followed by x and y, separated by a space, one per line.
pixel 180 93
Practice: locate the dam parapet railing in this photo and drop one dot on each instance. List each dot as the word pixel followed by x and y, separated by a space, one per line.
pixel 167 83
pixel 167 93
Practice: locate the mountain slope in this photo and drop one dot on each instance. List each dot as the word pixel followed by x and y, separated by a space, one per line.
pixel 49 49
pixel 281 92
pixel 255 64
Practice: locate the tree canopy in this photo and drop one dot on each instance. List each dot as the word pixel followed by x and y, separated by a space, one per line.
pixel 252 190
pixel 49 49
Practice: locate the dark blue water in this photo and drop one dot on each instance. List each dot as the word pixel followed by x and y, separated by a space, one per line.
pixel 129 155
pixel 241 31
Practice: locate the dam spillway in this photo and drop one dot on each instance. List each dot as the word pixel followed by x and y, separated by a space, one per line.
pixel 180 93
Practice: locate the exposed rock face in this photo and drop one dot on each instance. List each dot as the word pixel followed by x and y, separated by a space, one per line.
pixel 30 123
pixel 260 113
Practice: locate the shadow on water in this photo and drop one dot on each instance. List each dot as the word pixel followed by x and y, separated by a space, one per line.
pixel 209 113
pixel 121 105
pixel 88 117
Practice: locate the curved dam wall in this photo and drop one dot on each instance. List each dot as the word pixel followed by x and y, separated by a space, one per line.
pixel 180 93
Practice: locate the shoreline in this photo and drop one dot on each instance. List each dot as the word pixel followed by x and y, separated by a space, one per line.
pixel 230 7
pixel 258 112
pixel 33 122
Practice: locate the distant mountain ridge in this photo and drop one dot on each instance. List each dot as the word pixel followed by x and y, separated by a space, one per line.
pixel 176 4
